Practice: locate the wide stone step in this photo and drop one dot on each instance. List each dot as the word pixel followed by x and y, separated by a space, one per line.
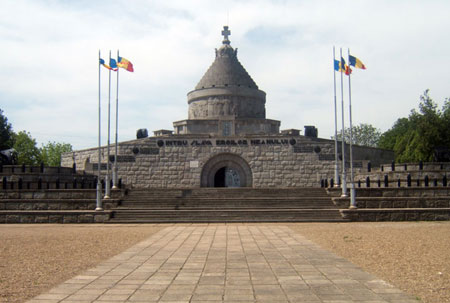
pixel 235 192
pixel 228 220
pixel 225 215
pixel 229 205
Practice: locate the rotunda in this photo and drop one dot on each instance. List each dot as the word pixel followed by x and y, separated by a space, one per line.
pixel 226 101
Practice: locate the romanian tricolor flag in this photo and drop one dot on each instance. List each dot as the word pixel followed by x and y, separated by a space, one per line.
pixel 338 67
pixel 343 67
pixel 125 64
pixel 112 64
pixel 356 62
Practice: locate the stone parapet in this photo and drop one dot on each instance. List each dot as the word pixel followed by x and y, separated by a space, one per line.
pixel 396 192
pixel 13 216
pixel 55 194
pixel 55 204
pixel 408 214
pixel 395 204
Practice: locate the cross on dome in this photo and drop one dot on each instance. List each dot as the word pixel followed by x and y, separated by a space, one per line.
pixel 225 33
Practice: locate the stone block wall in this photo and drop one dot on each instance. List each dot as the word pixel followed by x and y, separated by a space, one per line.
pixel 177 161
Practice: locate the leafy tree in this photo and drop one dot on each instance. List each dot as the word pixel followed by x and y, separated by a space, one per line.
pixel 27 151
pixel 415 138
pixel 445 116
pixel 363 134
pixel 51 152
pixel 389 138
pixel 6 133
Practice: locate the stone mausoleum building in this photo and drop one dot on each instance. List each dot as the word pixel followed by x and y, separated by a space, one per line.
pixel 226 141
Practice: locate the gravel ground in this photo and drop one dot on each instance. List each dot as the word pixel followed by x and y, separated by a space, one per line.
pixel 413 256
pixel 33 258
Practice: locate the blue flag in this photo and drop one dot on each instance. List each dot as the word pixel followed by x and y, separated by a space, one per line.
pixel 113 63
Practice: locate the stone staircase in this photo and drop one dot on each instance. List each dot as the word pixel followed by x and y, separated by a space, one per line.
pixel 226 205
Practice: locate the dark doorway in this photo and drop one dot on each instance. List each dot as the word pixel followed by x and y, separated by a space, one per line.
pixel 227 177
pixel 226 170
pixel 219 177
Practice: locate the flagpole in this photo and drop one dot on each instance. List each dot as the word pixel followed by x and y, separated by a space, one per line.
pixel 107 187
pixel 99 183
pixel 352 183
pixel 344 171
pixel 115 185
pixel 336 165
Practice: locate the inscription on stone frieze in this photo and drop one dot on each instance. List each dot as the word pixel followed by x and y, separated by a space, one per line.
pixel 231 142
pixel 174 142
pixel 228 142
pixel 201 143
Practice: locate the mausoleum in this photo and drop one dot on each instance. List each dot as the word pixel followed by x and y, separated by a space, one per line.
pixel 226 141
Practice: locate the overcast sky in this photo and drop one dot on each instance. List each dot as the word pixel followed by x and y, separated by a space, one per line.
pixel 49 51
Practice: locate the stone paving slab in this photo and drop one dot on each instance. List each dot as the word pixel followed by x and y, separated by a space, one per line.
pixel 225 263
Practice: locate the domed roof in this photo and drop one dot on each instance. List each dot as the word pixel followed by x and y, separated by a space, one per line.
pixel 226 69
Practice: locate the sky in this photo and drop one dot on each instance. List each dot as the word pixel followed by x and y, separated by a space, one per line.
pixel 49 80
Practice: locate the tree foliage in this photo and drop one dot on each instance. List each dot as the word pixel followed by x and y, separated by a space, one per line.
pixel 363 134
pixel 6 133
pixel 416 138
pixel 26 147
pixel 27 151
pixel 52 151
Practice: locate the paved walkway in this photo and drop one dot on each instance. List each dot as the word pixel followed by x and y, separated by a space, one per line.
pixel 225 263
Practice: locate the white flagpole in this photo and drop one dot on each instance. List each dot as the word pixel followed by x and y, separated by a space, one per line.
pixel 115 177
pixel 336 165
pixel 99 183
pixel 352 183
pixel 344 171
pixel 107 187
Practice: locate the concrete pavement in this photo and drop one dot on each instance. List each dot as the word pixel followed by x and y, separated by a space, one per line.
pixel 225 263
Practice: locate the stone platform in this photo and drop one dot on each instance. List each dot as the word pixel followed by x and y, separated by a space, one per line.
pixel 225 263
pixel 213 205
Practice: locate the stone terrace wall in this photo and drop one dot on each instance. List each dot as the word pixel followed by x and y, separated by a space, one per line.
pixel 436 172
pixel 177 161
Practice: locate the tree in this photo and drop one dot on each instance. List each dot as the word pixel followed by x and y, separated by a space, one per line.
pixel 417 137
pixel 6 133
pixel 363 134
pixel 51 152
pixel 27 151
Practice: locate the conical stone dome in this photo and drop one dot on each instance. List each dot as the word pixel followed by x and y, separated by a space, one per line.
pixel 226 70
pixel 226 89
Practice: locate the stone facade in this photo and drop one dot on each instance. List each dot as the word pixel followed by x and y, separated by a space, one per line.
pixel 182 161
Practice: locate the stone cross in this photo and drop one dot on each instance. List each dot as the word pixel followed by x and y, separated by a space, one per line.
pixel 225 34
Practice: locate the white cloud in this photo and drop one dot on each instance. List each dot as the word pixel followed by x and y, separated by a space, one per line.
pixel 49 83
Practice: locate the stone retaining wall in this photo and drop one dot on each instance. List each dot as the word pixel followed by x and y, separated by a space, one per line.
pixel 12 217
pixel 407 214
pixel 178 161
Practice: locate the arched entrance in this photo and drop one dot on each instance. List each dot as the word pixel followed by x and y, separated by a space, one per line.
pixel 226 170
